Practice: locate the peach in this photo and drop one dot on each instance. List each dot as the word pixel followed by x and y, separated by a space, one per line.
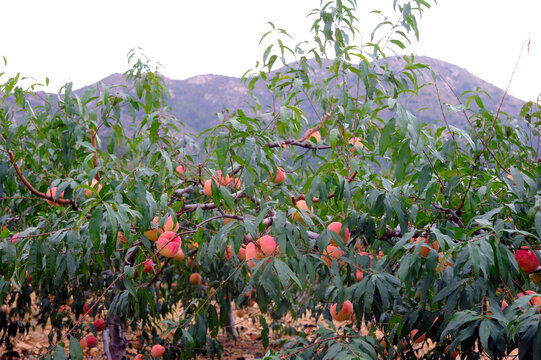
pixel 157 351
pixel 346 313
pixel 93 184
pixel 14 238
pixel 148 266
pixel 265 246
pixel 445 264
pixel 452 354
pixel 121 238
pixel 268 245
pixel 179 256
pixel 356 142
pixel 425 249
pixel 170 225
pixel 359 275
pixel 52 193
pixel 280 176
pixel 168 244
pixel 242 253
pixel 138 357
pixel 336 227
pixel 527 260
pixel 301 204
pixel 195 279
pixel 315 135
pixel 228 254
pixel 535 301
pixel 207 188
pixel 91 341
pixel 100 324
pixel 180 169
pixel 332 253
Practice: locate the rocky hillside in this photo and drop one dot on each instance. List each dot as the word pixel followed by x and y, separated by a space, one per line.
pixel 195 101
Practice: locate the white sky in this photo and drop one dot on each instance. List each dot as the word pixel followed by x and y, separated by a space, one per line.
pixel 72 40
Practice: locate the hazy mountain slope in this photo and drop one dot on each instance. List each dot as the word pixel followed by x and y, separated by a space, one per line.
pixel 195 101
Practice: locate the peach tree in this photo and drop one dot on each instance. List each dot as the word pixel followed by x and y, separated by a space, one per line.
pixel 402 239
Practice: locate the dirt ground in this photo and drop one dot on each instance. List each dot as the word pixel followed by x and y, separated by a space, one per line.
pixel 247 347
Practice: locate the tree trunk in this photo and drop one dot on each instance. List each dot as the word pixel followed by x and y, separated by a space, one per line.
pixel 114 342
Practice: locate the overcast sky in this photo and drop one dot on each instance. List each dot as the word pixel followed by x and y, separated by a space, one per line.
pixel 71 40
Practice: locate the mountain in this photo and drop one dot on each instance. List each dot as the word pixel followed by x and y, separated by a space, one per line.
pixel 195 101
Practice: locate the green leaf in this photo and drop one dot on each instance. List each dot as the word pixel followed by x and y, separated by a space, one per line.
pixel 285 273
pixel 386 136
pixel 76 353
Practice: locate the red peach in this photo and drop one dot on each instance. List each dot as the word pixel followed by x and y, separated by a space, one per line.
pixel 280 176
pixel 100 324
pixel 157 351
pixel 179 256
pixel 345 314
pixel 52 193
pixel 301 204
pixel 180 169
pixel 93 184
pixel 527 260
pixel 336 227
pixel 148 266
pixel 91 341
pixel 330 253
pixel 316 135
pixel 195 279
pixel 168 244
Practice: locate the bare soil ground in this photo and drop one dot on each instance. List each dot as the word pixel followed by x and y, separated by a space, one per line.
pixel 247 347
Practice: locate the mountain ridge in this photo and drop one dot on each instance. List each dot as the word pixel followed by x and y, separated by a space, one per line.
pixel 196 100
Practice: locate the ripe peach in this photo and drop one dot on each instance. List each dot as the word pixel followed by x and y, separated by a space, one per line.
pixel 157 351
pixel 345 314
pixel 527 260
pixel 301 204
pixel 228 254
pixel 93 184
pixel 242 253
pixel 415 339
pixel 100 324
pixel 191 261
pixel 207 188
pixel 180 169
pixel 170 225
pixel 359 275
pixel 138 357
pixel 452 354
pixel 179 256
pixel 52 193
pixel 265 246
pixel 330 253
pixel 121 238
pixel 280 176
pixel 535 301
pixel 336 227
pixel 195 279
pixel 443 266
pixel 425 249
pixel 316 135
pixel 91 341
pixel 168 244
pixel 148 266
pixel 355 141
